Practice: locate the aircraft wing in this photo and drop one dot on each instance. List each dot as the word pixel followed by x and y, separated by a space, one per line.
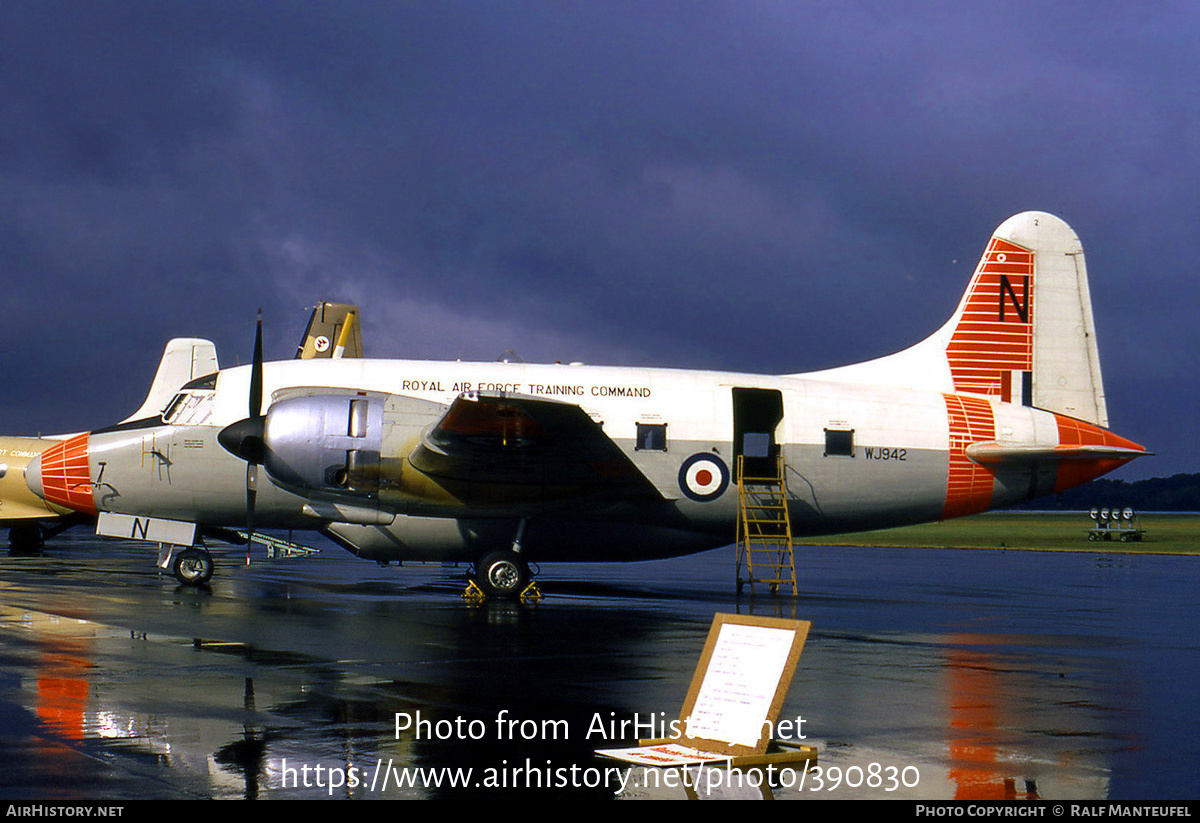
pixel 15 511
pixel 513 440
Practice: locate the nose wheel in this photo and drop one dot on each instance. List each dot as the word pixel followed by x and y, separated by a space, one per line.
pixel 193 567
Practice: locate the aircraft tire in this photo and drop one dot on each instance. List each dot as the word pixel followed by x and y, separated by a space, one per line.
pixel 502 574
pixel 193 567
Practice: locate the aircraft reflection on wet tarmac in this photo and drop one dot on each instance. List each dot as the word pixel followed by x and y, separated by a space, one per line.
pixel 928 674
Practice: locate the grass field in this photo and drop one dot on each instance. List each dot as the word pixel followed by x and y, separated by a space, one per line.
pixel 1031 531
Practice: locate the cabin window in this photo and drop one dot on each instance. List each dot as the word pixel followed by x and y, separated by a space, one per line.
pixel 652 437
pixel 839 442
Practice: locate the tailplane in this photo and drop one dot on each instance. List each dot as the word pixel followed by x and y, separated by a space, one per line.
pixel 1023 332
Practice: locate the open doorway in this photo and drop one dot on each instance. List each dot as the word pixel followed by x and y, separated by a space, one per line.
pixel 756 417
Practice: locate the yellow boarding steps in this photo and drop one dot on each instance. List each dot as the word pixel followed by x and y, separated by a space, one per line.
pixel 764 531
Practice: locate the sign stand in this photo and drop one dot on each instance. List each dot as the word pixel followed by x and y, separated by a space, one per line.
pixel 733 703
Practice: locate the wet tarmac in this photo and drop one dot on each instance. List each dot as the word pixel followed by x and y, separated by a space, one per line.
pixel 928 674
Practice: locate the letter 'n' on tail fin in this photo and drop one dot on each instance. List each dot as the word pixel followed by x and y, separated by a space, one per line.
pixel 1023 332
pixel 1024 329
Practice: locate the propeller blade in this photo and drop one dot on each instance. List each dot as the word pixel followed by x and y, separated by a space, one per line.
pixel 246 438
pixel 251 499
pixel 256 416
pixel 256 373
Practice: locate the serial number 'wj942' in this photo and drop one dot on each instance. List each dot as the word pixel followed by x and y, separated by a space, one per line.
pixel 885 453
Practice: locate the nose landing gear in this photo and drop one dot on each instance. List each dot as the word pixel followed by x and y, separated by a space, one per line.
pixel 191 567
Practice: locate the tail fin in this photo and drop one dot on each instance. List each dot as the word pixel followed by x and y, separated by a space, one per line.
pixel 184 360
pixel 333 331
pixel 1023 331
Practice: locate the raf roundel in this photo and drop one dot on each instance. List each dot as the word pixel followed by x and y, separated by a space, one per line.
pixel 703 477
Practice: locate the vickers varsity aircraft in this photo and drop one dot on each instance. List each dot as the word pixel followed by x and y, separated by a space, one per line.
pixel 503 463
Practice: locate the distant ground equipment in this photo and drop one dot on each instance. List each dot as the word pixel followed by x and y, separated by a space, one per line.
pixel 1115 524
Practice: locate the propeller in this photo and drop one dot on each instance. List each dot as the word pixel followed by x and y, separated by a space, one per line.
pixel 246 438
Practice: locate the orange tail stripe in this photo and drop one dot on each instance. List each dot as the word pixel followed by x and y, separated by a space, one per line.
pixel 995 333
pixel 968 485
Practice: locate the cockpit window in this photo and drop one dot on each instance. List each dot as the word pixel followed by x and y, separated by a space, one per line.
pixel 208 381
pixel 189 408
pixel 172 407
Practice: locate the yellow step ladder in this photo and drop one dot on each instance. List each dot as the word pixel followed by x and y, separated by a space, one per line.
pixel 764 531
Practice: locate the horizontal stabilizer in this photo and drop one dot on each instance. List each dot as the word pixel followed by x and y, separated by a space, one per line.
pixel 993 453
pixel 150 529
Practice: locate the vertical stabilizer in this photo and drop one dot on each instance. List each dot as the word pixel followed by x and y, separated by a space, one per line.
pixel 333 331
pixel 184 360
pixel 1066 362
pixel 1023 331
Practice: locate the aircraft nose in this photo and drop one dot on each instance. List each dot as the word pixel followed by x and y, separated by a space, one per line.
pixel 61 475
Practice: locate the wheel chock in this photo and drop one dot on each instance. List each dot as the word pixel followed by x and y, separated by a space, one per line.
pixel 473 593
pixel 531 593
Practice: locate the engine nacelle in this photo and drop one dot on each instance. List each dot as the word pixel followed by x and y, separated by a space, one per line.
pixel 325 443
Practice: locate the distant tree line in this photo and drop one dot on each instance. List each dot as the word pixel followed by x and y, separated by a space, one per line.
pixel 1177 493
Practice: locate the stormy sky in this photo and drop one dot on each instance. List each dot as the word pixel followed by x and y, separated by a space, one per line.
pixel 754 186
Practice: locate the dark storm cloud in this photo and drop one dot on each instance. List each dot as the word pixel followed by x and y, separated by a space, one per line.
pixel 752 186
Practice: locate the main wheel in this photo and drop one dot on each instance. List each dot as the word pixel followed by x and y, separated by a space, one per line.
pixel 502 574
pixel 193 567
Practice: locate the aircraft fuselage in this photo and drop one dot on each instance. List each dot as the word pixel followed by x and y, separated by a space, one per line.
pixel 857 457
pixel 500 463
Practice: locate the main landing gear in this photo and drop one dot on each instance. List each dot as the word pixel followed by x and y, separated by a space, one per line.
pixel 28 538
pixel 503 574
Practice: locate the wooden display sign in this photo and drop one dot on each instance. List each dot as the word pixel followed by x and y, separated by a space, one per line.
pixel 736 694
